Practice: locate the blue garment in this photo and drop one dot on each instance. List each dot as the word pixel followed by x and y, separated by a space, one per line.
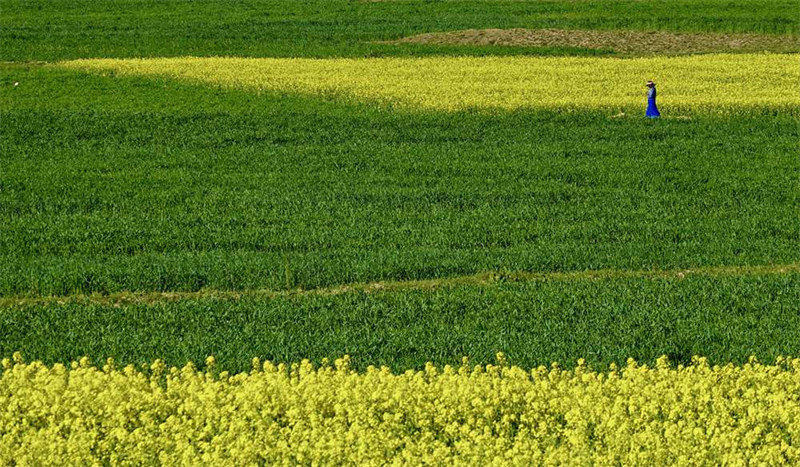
pixel 652 109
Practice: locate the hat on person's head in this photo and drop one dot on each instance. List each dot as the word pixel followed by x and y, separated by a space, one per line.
pixel 650 83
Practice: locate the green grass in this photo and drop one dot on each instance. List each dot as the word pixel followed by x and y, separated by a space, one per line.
pixel 725 319
pixel 59 29
pixel 113 184
pixel 146 184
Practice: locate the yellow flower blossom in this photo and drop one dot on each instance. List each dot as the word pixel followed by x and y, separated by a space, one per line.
pixel 332 414
pixel 713 82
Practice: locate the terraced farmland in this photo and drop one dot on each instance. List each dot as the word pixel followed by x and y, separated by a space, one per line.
pixel 295 180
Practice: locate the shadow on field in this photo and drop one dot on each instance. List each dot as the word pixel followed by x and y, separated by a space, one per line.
pixel 134 184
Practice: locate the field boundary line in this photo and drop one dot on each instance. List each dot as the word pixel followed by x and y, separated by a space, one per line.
pixel 478 279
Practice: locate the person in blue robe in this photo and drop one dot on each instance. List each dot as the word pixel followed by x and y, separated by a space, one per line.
pixel 652 109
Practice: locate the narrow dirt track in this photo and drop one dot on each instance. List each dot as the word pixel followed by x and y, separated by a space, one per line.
pixel 479 279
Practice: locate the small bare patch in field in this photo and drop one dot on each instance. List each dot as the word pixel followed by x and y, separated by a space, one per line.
pixel 627 42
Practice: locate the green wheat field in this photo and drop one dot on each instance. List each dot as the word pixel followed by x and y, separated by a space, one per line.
pixel 152 213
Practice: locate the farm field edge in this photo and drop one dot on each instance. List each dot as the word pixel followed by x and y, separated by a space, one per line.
pixel 726 319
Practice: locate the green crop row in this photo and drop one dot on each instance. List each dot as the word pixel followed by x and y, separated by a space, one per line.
pixel 56 29
pixel 726 319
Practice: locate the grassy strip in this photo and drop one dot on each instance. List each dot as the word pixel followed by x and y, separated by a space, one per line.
pixel 55 29
pixel 480 279
pixel 727 318
pixel 117 184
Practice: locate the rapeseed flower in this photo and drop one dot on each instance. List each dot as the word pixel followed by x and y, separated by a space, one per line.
pixel 709 83
pixel 299 413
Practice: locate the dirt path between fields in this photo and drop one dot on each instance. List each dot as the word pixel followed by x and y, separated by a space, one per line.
pixel 479 279
pixel 625 42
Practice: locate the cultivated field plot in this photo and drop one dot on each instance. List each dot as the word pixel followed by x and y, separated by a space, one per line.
pixel 341 200
pixel 717 82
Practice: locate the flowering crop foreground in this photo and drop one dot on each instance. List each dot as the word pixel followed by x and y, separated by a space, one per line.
pixel 723 83
pixel 332 414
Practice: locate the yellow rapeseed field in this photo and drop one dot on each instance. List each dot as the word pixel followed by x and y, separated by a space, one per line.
pixel 713 82
pixel 494 414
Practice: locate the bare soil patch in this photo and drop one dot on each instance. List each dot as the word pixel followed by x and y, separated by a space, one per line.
pixel 626 42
